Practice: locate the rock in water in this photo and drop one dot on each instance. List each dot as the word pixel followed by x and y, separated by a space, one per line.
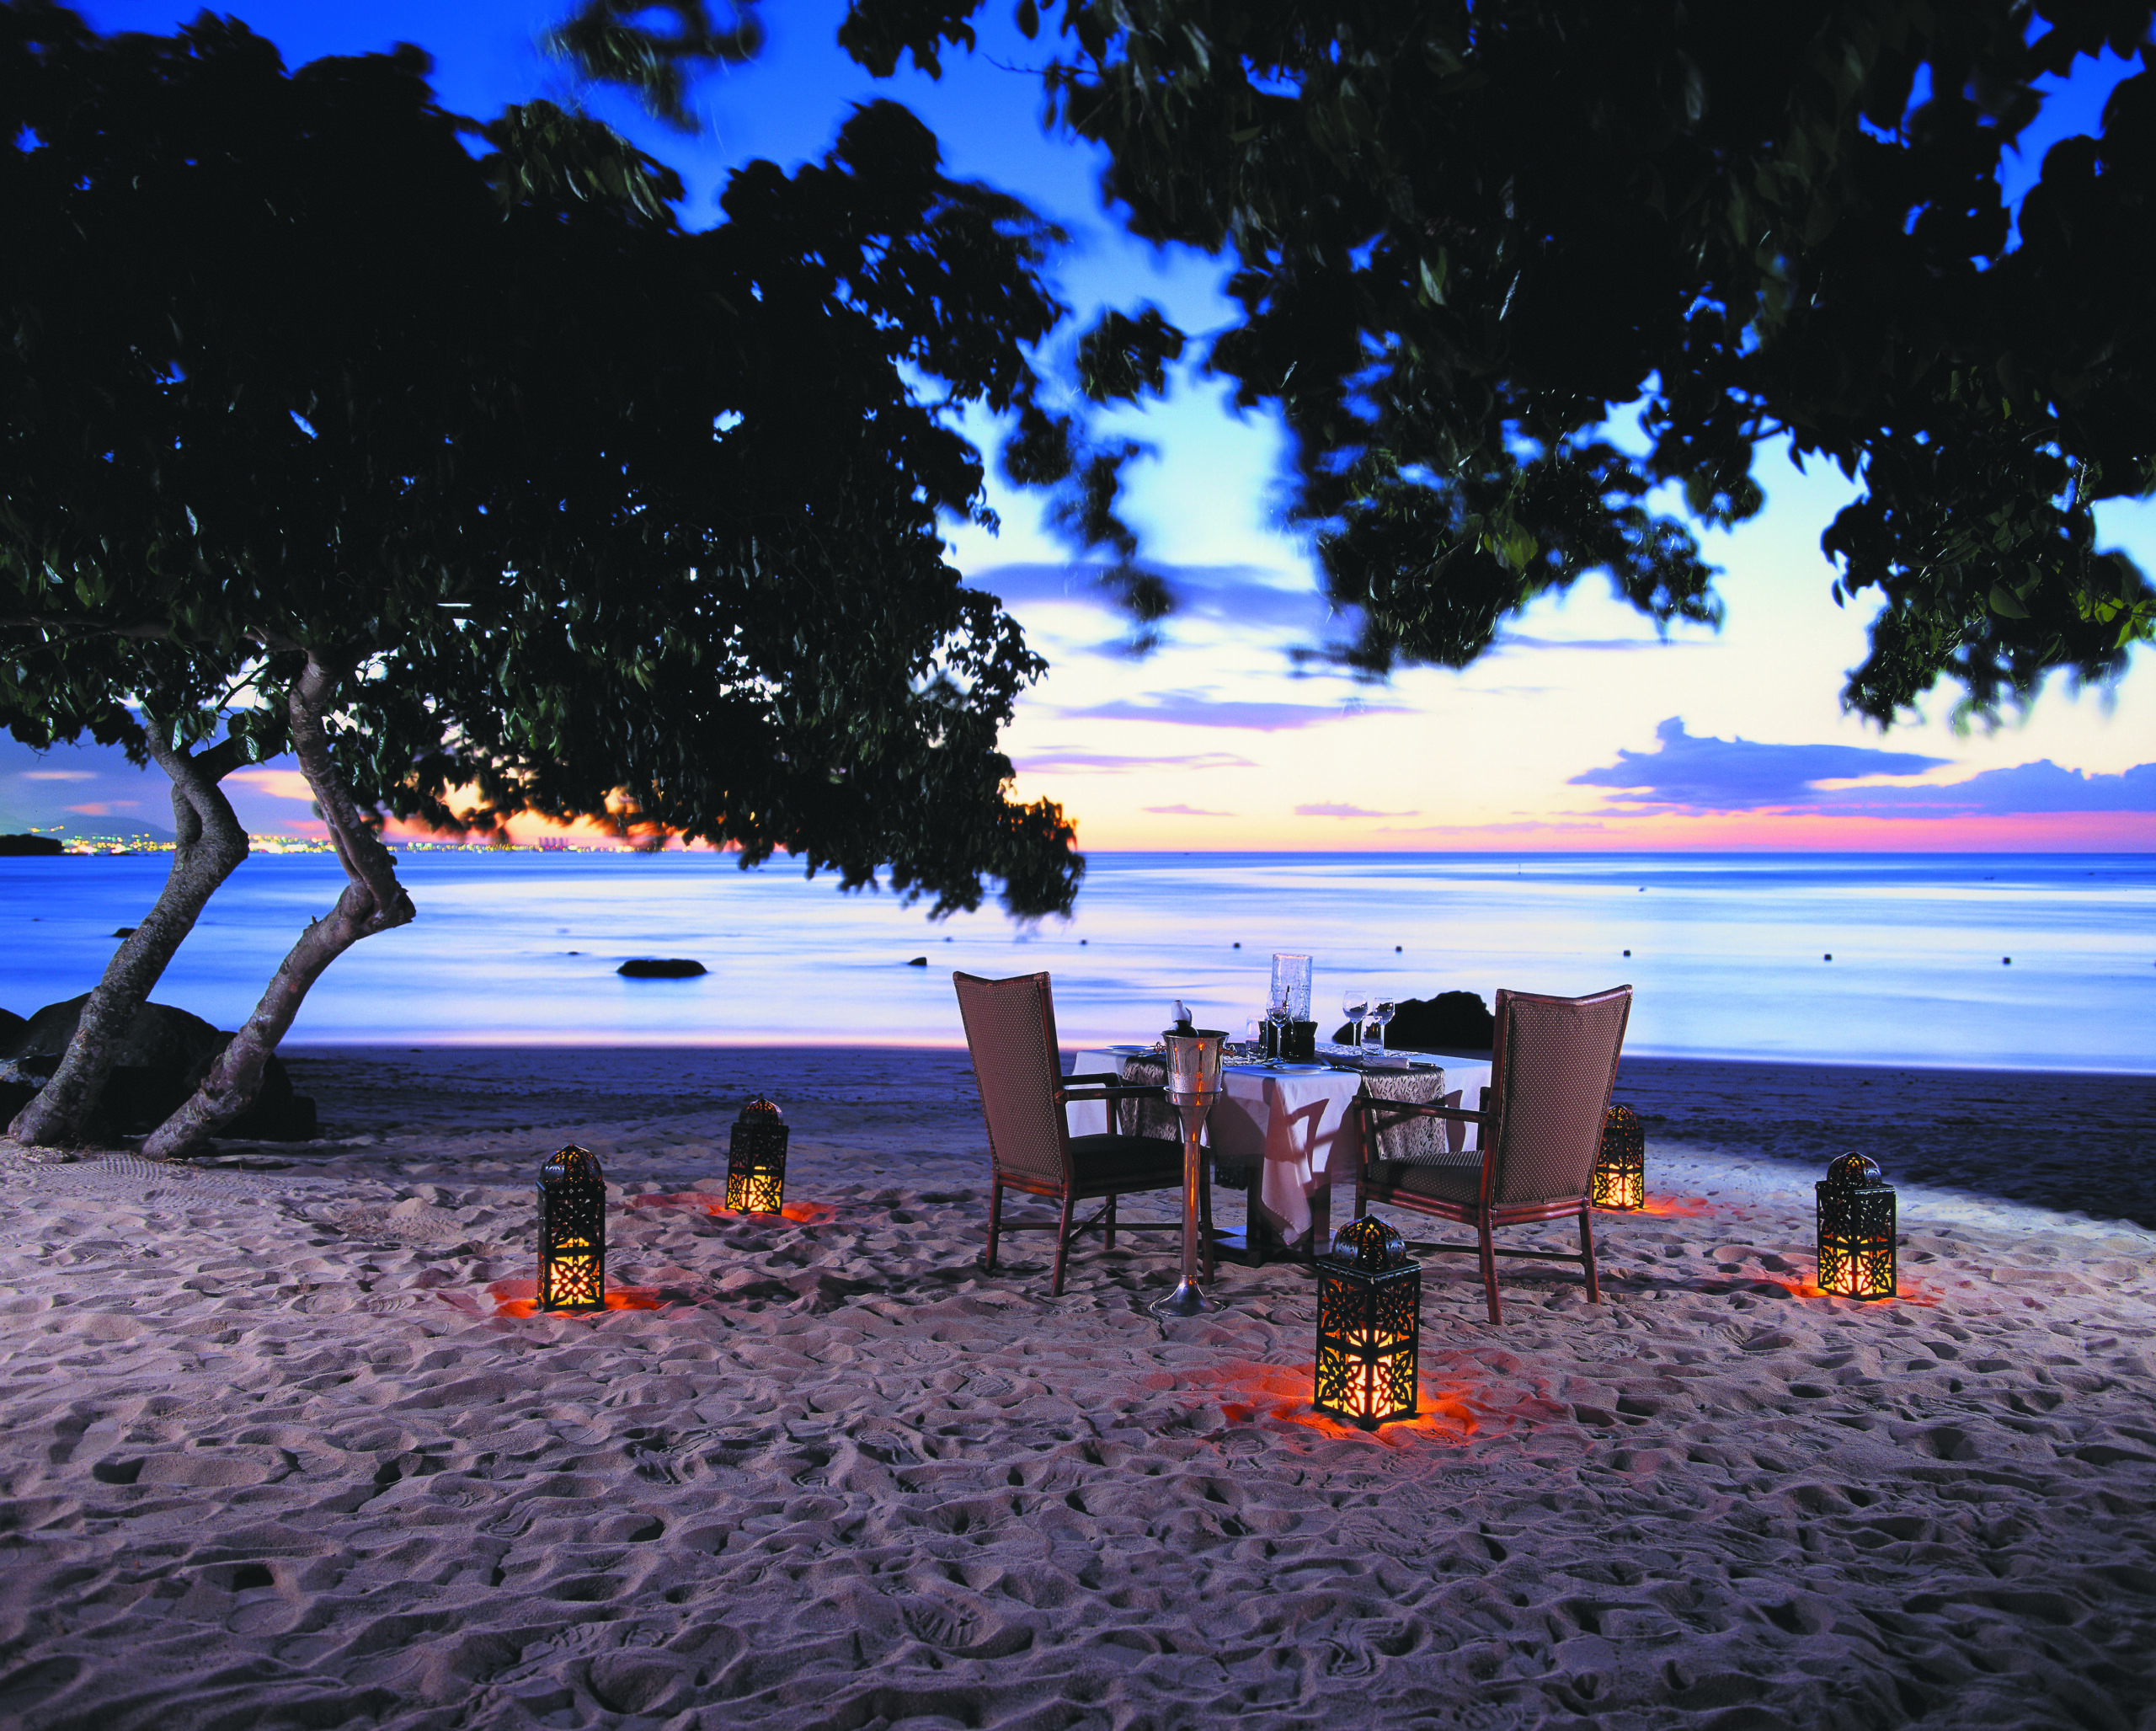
pixel 660 967
pixel 918 962
pixel 40 844
pixel 161 1062
pixel 1452 1021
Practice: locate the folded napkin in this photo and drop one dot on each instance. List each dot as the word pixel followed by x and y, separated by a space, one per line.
pixel 1147 1118
pixel 1417 1140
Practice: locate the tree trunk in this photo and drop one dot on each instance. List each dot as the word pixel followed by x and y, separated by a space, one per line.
pixel 372 901
pixel 209 846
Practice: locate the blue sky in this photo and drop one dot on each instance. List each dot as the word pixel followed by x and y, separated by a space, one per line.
pixel 1581 730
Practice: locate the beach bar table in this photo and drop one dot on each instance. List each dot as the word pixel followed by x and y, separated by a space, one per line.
pixel 1295 1127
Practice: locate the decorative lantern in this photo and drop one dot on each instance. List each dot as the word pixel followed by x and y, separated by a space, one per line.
pixel 1369 1320
pixel 572 1233
pixel 756 1160
pixel 1856 1230
pixel 1620 1170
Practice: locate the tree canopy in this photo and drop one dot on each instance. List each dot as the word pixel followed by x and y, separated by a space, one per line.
pixel 1465 233
pixel 442 449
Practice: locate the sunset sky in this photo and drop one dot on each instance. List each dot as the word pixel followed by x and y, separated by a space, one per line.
pixel 1582 729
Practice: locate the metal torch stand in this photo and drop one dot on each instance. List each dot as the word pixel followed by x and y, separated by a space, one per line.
pixel 1189 1298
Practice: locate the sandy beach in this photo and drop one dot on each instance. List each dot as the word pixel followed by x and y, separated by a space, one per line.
pixel 285 1448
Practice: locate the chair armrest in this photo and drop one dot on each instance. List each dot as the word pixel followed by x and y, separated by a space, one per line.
pixel 1105 1075
pixel 1412 1109
pixel 1153 1091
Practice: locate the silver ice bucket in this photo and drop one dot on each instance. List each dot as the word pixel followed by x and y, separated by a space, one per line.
pixel 1194 1060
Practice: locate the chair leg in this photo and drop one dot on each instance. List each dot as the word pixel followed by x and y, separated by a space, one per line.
pixel 1322 1221
pixel 995 1221
pixel 1587 1250
pixel 1062 1247
pixel 1254 1215
pixel 1107 1225
pixel 1489 1271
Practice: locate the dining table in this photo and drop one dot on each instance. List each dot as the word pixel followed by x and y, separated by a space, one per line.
pixel 1291 1128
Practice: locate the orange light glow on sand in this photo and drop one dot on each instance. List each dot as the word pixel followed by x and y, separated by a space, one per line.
pixel 1678 1207
pixel 521 1298
pixel 1450 1409
pixel 1909 1293
pixel 799 1213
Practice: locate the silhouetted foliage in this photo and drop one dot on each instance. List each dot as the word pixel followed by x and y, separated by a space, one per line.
pixel 1464 233
pixel 442 451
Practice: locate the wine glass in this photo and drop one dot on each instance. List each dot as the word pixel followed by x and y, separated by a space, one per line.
pixel 1279 1012
pixel 1355 1006
pixel 1381 1013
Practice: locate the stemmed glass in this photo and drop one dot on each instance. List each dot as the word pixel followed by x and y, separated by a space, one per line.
pixel 1381 1013
pixel 1355 1006
pixel 1279 1012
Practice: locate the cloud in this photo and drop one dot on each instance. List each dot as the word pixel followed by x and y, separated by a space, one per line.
pixel 1245 598
pixel 1188 708
pixel 2027 789
pixel 1119 762
pixel 1348 811
pixel 281 784
pixel 1185 811
pixel 1685 773
pixel 58 775
pixel 1508 641
pixel 1691 774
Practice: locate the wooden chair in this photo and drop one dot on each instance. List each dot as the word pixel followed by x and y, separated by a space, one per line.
pixel 1011 1033
pixel 1551 1069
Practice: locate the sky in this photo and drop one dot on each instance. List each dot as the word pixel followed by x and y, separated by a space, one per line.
pixel 1582 729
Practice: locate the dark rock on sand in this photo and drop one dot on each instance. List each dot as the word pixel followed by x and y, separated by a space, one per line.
pixel 42 845
pixel 162 1060
pixel 11 1030
pixel 660 967
pixel 1450 1022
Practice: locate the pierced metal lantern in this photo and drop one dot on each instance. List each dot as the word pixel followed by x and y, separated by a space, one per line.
pixel 572 1233
pixel 1856 1230
pixel 1620 1169
pixel 756 1159
pixel 1370 1324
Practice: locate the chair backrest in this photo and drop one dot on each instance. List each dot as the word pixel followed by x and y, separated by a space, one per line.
pixel 1011 1033
pixel 1551 1069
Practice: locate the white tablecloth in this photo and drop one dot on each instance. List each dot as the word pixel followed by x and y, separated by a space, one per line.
pixel 1297 1123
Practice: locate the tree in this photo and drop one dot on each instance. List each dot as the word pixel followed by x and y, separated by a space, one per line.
pixel 472 474
pixel 1465 233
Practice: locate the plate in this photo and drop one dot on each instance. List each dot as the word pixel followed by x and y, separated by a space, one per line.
pixel 1300 1069
pixel 1127 1051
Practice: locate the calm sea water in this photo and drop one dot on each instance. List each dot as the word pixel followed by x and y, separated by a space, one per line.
pixel 1725 950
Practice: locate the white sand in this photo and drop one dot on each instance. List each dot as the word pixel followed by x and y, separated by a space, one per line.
pixel 274 1457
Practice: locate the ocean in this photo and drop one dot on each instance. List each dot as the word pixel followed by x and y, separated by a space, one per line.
pixel 1726 951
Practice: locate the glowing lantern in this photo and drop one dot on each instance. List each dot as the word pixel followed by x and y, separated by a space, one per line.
pixel 572 1233
pixel 756 1160
pixel 1620 1169
pixel 1369 1321
pixel 1856 1230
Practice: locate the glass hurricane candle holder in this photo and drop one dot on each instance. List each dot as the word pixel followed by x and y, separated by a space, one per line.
pixel 756 1159
pixel 1857 1227
pixel 1369 1325
pixel 572 1233
pixel 1620 1169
